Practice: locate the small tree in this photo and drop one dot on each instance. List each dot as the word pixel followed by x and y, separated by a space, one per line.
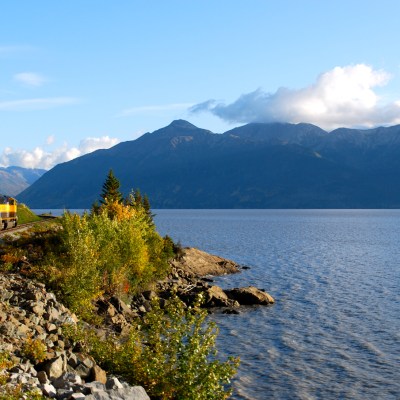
pixel 147 208
pixel 111 192
pixel 171 352
pixel 139 202
pixel 138 198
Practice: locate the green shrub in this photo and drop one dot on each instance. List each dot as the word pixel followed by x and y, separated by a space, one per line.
pixel 17 393
pixel 113 251
pixel 5 363
pixel 71 269
pixel 34 350
pixel 12 393
pixel 171 353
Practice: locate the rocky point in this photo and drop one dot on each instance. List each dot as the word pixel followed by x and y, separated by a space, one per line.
pixel 46 362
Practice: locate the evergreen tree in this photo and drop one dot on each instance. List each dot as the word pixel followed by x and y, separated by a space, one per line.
pixel 111 191
pixel 138 198
pixel 147 208
pixel 146 203
pixel 95 207
pixel 130 199
pixel 139 202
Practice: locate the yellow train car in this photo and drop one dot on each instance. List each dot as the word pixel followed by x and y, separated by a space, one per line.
pixel 8 212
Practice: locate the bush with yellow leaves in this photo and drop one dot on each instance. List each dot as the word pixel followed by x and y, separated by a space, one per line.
pixel 114 251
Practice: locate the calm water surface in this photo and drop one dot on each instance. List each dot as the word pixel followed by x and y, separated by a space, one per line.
pixel 334 331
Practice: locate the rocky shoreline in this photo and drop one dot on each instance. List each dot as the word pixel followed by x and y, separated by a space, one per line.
pixel 190 277
pixel 30 316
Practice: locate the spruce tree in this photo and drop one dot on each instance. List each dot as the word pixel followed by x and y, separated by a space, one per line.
pixel 138 198
pixel 147 208
pixel 111 191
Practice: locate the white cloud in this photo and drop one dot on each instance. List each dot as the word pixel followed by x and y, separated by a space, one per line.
pixel 91 144
pixel 40 158
pixel 154 109
pixel 344 96
pixel 30 79
pixel 37 103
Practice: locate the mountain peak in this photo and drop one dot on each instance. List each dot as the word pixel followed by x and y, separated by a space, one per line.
pixel 179 127
pixel 181 123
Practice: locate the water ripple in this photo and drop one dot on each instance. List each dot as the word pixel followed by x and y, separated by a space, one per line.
pixel 334 330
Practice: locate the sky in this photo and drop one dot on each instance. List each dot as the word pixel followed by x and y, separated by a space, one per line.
pixel 76 76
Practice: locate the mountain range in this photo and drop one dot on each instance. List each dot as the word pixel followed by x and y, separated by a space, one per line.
pixel 258 165
pixel 14 180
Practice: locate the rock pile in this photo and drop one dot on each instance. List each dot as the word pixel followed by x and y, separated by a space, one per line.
pixel 44 361
pixel 188 279
pixel 116 314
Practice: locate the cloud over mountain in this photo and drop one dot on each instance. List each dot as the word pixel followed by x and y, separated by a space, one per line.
pixel 39 157
pixel 343 96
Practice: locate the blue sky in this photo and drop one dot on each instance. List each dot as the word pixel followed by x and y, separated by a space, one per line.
pixel 80 75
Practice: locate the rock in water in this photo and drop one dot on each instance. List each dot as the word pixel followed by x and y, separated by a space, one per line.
pixel 200 263
pixel 250 295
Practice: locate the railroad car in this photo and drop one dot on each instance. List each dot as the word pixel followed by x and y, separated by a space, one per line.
pixel 8 212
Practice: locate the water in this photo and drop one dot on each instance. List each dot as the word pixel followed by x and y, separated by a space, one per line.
pixel 334 331
pixel 58 212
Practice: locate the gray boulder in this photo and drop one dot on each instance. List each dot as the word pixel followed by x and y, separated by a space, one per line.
pixel 55 367
pixel 250 295
pixel 216 297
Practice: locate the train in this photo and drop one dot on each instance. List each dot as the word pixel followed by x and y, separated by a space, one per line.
pixel 8 212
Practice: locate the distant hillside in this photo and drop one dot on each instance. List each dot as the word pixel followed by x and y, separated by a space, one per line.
pixel 254 166
pixel 14 180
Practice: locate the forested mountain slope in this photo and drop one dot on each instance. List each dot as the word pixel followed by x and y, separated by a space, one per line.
pixel 258 165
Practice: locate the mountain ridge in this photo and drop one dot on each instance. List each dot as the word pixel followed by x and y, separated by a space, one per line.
pixel 13 179
pixel 258 165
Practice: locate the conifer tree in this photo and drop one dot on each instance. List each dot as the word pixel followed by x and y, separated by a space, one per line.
pixel 147 208
pixel 146 203
pixel 111 191
pixel 130 199
pixel 138 198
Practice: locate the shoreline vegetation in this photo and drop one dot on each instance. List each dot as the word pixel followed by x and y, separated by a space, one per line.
pixel 129 309
pixel 25 215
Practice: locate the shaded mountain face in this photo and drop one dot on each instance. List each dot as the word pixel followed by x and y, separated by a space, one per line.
pixel 14 180
pixel 253 166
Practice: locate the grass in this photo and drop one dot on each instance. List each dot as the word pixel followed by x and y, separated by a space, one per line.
pixel 25 215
